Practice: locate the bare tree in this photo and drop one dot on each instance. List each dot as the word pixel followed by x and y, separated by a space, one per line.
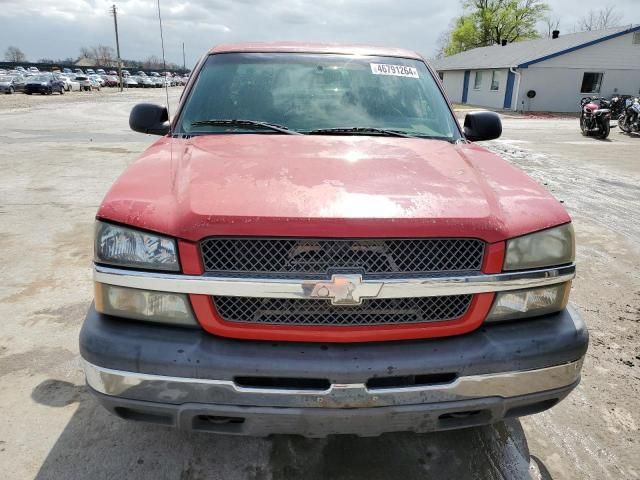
pixel 103 55
pixel 550 24
pixel 598 19
pixel 152 62
pixel 14 54
pixel 86 52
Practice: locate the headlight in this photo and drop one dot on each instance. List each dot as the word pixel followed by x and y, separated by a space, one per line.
pixel 529 303
pixel 163 307
pixel 127 247
pixel 554 246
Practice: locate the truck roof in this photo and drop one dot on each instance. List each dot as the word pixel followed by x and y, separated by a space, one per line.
pixel 297 47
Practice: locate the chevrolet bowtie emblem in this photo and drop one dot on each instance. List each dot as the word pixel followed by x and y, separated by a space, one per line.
pixel 345 289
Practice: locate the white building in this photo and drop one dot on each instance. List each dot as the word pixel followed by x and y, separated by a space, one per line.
pixel 548 74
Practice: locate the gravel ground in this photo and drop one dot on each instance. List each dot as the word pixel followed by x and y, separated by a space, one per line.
pixel 58 157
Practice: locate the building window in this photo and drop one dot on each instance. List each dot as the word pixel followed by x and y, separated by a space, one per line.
pixel 441 75
pixel 591 82
pixel 477 81
pixel 636 38
pixel 495 80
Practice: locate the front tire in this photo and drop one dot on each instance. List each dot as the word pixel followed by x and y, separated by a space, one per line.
pixel 605 129
pixel 622 124
pixel 583 127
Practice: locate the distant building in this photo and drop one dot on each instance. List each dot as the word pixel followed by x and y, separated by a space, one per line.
pixel 547 74
pixel 85 62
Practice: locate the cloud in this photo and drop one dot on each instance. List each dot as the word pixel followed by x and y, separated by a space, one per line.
pixel 57 29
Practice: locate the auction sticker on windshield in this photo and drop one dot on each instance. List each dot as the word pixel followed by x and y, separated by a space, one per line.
pixel 394 70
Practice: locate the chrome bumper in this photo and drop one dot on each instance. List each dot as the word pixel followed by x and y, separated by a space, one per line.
pixel 178 390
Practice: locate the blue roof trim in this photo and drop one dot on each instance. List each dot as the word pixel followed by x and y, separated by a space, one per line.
pixel 578 47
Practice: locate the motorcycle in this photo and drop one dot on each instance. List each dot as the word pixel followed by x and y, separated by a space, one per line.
pixel 595 117
pixel 617 105
pixel 629 121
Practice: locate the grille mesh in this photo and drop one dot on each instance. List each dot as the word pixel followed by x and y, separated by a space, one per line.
pixel 322 257
pixel 285 311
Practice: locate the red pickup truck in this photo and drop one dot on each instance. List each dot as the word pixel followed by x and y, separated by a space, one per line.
pixel 315 246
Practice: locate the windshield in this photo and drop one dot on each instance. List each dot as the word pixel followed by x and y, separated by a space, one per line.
pixel 5 78
pixel 307 92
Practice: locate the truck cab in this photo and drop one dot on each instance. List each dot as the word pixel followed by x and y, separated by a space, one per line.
pixel 314 245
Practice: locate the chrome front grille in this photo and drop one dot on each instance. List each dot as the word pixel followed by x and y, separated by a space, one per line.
pixel 286 311
pixel 322 257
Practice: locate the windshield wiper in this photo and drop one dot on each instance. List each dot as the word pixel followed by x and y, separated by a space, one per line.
pixel 252 124
pixel 360 130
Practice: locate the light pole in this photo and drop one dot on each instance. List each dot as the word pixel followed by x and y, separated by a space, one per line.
pixel 114 12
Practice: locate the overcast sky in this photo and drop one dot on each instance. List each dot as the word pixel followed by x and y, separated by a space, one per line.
pixel 57 29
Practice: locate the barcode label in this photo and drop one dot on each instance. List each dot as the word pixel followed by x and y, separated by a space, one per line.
pixel 394 70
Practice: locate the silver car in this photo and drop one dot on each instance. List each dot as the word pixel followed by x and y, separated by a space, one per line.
pixel 130 82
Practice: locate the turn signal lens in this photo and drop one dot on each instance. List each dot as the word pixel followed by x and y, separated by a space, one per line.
pixel 162 307
pixel 529 303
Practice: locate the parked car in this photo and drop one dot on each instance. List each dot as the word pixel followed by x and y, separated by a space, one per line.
pixel 101 71
pixel 78 71
pixel 97 79
pixel 129 82
pixel 96 83
pixel 44 84
pixel 86 84
pixel 67 70
pixel 112 72
pixel 146 82
pixel 11 84
pixel 111 81
pixel 90 71
pixel 74 86
pixel 344 259
pixel 34 70
pixel 68 83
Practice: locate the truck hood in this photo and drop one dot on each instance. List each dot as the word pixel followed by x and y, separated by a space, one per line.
pixel 327 186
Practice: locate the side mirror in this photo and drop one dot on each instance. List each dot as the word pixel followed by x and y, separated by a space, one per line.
pixel 149 118
pixel 482 126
